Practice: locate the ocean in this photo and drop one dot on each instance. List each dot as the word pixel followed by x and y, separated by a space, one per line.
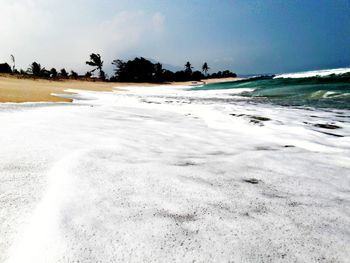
pixel 318 89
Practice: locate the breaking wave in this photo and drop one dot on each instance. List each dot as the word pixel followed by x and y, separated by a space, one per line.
pixel 319 89
pixel 315 73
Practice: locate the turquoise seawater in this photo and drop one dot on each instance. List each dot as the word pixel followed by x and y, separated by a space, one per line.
pixel 330 91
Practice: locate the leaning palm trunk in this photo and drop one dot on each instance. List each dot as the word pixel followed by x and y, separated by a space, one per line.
pixel 14 62
pixel 96 61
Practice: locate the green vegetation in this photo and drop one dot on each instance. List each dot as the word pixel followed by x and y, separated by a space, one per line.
pixel 5 68
pixel 143 70
pixel 96 61
pixel 205 68
pixel 137 70
pixel 188 68
pixel 53 73
pixel 63 73
pixel 73 74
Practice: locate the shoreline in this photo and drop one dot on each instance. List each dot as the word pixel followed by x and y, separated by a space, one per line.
pixel 19 90
pixel 150 168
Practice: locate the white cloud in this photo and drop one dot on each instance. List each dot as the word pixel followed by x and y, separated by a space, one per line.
pixel 61 34
pixel 158 22
pixel 21 20
pixel 127 30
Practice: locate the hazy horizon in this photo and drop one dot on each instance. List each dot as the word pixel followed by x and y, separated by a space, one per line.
pixel 246 37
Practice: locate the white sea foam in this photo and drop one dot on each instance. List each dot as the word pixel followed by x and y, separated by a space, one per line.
pixel 314 73
pixel 158 174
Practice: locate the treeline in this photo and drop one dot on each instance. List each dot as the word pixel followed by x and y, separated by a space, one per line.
pixel 36 70
pixel 143 70
pixel 136 70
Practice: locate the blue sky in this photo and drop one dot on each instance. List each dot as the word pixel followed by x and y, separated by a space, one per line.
pixel 245 36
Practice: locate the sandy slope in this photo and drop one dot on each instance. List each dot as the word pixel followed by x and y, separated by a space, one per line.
pixel 160 175
pixel 27 90
pixel 13 89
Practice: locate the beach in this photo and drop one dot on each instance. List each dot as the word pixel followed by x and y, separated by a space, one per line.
pixel 172 174
pixel 13 89
pixel 174 131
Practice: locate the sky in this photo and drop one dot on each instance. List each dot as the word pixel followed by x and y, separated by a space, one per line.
pixel 245 36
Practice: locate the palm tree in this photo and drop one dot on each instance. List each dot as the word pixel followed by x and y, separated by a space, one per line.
pixel 119 67
pixel 158 68
pixel 14 62
pixel 188 67
pixel 88 74
pixel 205 68
pixel 158 72
pixel 35 69
pixel 96 61
pixel 102 75
pixel 53 73
pixel 73 74
pixel 63 73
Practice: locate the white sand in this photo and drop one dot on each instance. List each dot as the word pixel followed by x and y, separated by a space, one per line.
pixel 157 175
